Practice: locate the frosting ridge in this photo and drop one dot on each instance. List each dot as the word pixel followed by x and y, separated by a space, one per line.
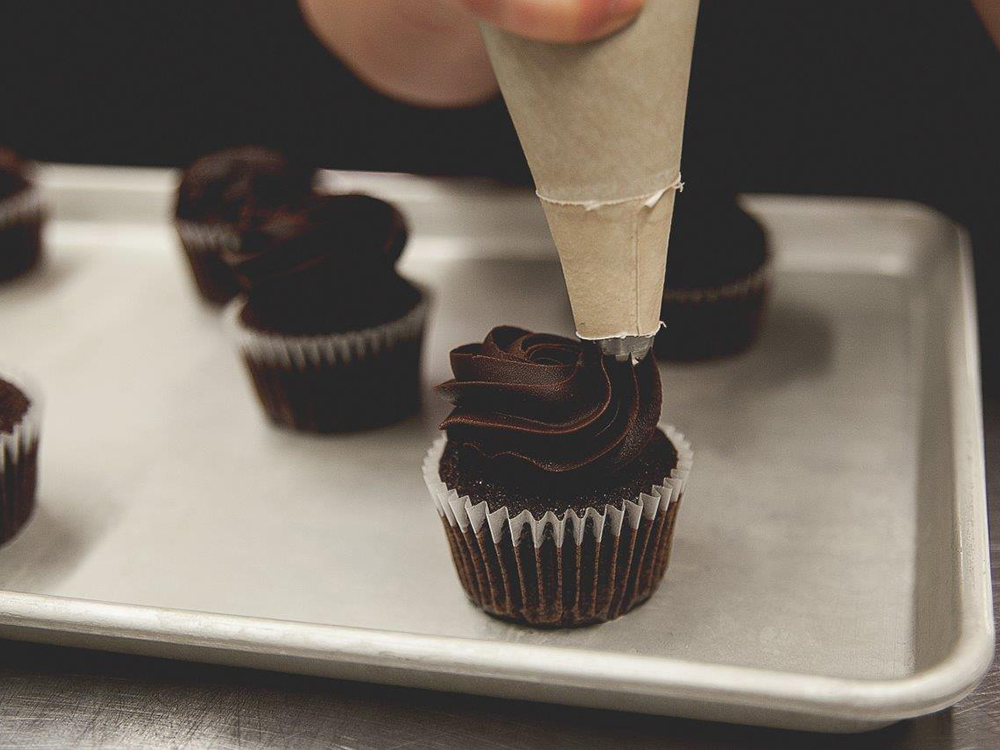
pixel 325 266
pixel 551 402
pixel 232 185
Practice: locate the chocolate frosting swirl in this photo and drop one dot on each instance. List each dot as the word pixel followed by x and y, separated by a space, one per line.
pixel 331 238
pixel 551 402
pixel 234 184
pixel 326 265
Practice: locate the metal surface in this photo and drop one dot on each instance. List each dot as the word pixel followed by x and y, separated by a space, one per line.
pixel 829 568
pixel 634 347
pixel 58 697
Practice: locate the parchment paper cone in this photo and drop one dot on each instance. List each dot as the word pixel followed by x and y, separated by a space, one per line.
pixel 601 125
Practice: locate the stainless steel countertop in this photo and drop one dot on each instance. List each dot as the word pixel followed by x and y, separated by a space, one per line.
pixel 58 697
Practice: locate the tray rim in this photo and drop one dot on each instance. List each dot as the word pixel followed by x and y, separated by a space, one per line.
pixel 857 703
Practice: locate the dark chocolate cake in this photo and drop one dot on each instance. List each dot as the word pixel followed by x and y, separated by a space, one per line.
pixel 19 467
pixel 330 332
pixel 20 218
pixel 546 427
pixel 222 191
pixel 508 483
pixel 716 281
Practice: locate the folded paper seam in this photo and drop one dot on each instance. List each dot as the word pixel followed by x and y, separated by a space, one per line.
pixel 636 276
pixel 648 200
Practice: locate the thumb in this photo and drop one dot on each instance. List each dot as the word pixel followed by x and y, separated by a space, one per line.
pixel 559 21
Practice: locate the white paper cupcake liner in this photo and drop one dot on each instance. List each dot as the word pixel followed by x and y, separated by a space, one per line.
pixel 203 237
pixel 740 289
pixel 338 382
pixel 711 322
pixel 203 245
pixel 22 206
pixel 565 576
pixel 326 349
pixel 19 461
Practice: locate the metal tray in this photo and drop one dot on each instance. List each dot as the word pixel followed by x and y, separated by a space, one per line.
pixel 830 569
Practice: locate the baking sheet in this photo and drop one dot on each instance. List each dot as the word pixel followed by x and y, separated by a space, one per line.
pixel 829 571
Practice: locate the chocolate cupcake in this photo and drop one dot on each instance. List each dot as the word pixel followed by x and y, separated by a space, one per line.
pixel 716 283
pixel 557 487
pixel 19 429
pixel 330 332
pixel 20 218
pixel 219 192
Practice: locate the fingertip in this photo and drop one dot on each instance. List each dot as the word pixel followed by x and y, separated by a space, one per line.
pixel 488 10
pixel 599 18
pixel 560 21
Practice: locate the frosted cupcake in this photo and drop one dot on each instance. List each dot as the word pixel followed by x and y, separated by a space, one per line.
pixel 20 218
pixel 216 194
pixel 556 484
pixel 331 334
pixel 19 430
pixel 718 272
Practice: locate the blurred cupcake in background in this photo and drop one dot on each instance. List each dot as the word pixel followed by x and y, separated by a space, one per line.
pixel 222 190
pixel 718 269
pixel 330 333
pixel 19 432
pixel 21 217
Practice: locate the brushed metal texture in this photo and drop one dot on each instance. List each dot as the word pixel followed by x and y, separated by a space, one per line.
pixel 830 569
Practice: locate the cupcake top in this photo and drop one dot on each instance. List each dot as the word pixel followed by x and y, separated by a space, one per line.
pixel 546 422
pixel 713 242
pixel 226 187
pixel 14 405
pixel 327 266
pixel 12 174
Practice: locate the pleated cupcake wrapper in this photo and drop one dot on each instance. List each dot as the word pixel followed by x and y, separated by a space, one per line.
pixel 462 512
pixel 18 452
pixel 740 289
pixel 206 237
pixel 22 206
pixel 16 443
pixel 489 549
pixel 329 349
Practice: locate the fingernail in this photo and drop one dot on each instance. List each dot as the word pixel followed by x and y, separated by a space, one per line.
pixel 624 7
pixel 603 17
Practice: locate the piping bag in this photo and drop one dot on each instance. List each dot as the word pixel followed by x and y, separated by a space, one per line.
pixel 601 125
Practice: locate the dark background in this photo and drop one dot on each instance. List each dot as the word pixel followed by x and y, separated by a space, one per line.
pixel 897 98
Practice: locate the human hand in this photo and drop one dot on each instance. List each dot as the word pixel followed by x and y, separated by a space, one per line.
pixel 556 20
pixel 429 52
pixel 989 11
